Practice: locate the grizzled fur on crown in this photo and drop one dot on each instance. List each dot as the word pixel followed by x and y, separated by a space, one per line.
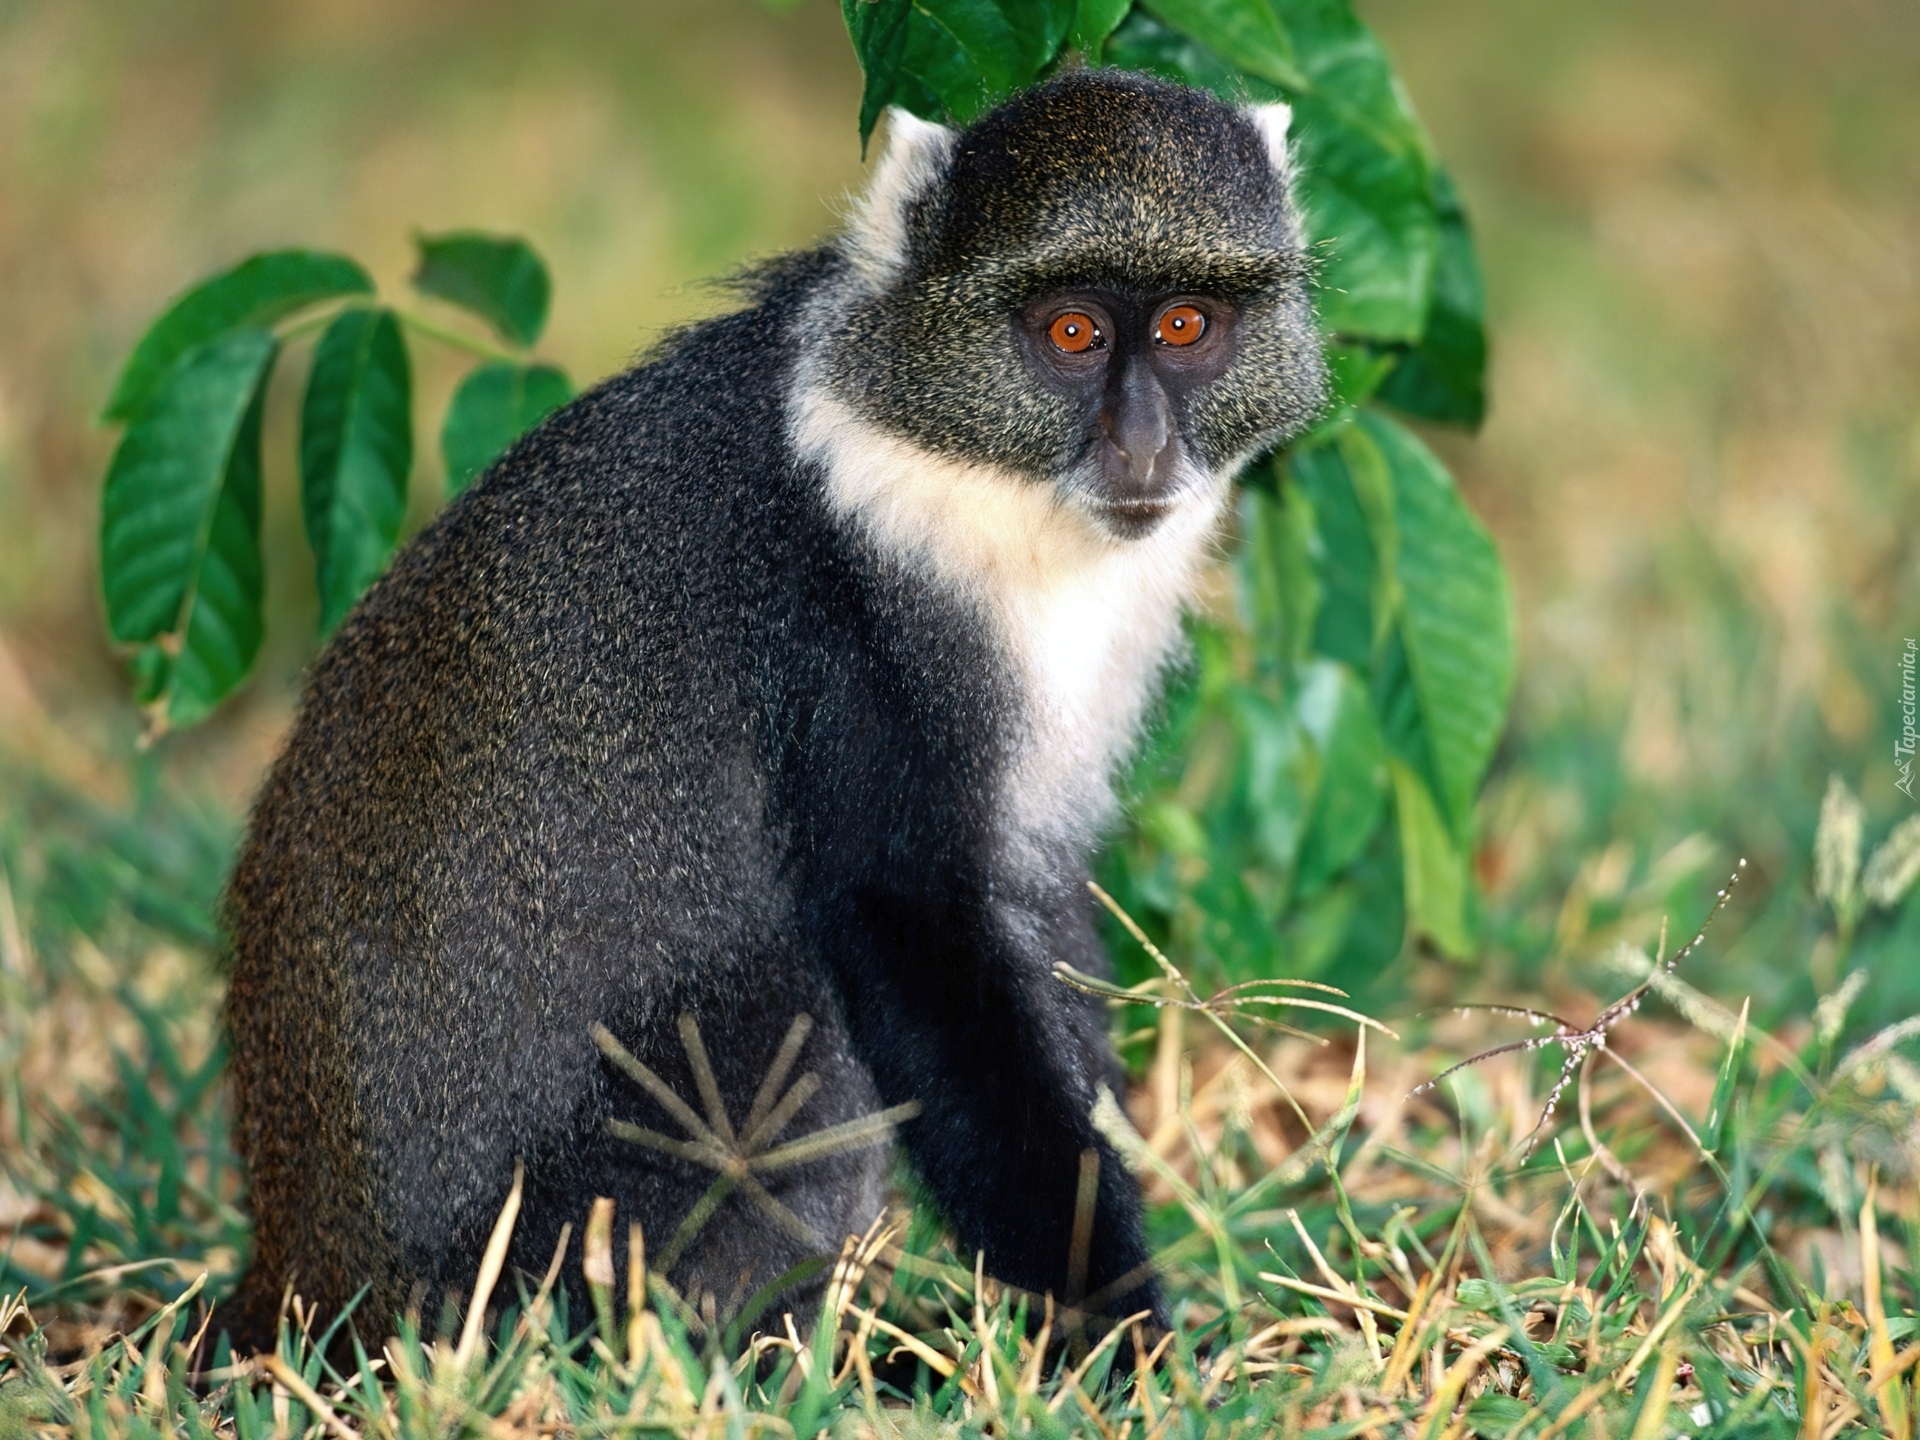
pixel 1097 178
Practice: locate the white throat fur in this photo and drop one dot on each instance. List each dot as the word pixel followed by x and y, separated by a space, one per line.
pixel 1086 620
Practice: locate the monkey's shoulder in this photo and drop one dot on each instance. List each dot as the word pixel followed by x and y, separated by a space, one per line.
pixel 649 486
pixel 693 436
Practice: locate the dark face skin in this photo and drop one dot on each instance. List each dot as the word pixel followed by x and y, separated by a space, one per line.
pixel 1129 363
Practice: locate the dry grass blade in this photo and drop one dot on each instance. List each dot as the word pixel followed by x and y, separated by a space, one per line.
pixel 491 1263
pixel 1608 1160
pixel 1344 1296
pixel 285 1375
pixel 856 1134
pixel 662 1092
pixel 703 1079
pixel 1446 1397
pixel 776 1118
pixel 1887 1391
pixel 1188 999
pixel 1226 1002
pixel 1392 1334
pixel 711 1155
pixel 1284 982
pixel 783 1063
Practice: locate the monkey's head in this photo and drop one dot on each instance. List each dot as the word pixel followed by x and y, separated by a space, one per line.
pixel 1099 286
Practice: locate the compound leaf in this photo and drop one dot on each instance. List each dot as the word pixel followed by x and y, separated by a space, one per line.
pixel 256 292
pixel 180 528
pixel 494 406
pixel 497 277
pixel 356 449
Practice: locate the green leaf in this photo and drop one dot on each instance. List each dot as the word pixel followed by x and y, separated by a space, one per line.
pixel 1397 706
pixel 1365 176
pixel 1443 377
pixel 1141 42
pixel 878 30
pixel 1269 776
pixel 1455 615
pixel 1436 870
pixel 1279 587
pixel 356 449
pixel 1355 371
pixel 256 292
pixel 1343 552
pixel 497 277
pixel 1093 22
pixel 1369 217
pixel 1244 33
pixel 180 527
pixel 951 60
pixel 224 622
pixel 1722 1103
pixel 494 406
pixel 1352 794
pixel 1486 1296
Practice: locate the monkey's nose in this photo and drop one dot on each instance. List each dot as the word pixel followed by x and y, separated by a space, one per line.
pixel 1139 426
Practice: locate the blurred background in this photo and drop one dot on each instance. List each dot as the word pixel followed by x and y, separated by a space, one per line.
pixel 1700 223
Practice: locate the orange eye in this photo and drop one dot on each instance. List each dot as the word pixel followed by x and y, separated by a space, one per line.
pixel 1181 325
pixel 1074 332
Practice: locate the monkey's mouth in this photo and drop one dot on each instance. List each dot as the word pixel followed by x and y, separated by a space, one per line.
pixel 1131 519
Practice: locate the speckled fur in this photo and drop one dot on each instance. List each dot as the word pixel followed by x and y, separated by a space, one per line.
pixel 725 691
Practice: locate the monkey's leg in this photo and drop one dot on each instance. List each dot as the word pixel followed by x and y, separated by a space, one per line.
pixel 1001 1057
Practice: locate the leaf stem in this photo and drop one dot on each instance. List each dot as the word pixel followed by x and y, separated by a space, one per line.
pixel 433 330
pixel 303 328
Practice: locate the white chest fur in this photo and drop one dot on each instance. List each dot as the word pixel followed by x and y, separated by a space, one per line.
pixel 1085 619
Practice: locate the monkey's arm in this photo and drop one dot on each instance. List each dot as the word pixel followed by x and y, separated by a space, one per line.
pixel 1005 1062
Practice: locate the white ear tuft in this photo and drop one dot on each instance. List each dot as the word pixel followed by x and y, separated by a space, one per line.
pixel 917 153
pixel 1272 121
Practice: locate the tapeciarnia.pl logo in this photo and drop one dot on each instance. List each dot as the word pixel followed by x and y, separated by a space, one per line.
pixel 1904 746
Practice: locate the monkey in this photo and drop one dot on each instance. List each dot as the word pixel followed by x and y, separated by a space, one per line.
pixel 784 674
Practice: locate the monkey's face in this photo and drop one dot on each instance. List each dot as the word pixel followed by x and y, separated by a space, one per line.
pixel 1099 288
pixel 1129 366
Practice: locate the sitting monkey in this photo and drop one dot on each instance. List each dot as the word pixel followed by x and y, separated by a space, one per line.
pixel 784 674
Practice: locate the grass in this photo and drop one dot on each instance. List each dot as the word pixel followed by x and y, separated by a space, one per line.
pixel 1700 228
pixel 1712 1234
